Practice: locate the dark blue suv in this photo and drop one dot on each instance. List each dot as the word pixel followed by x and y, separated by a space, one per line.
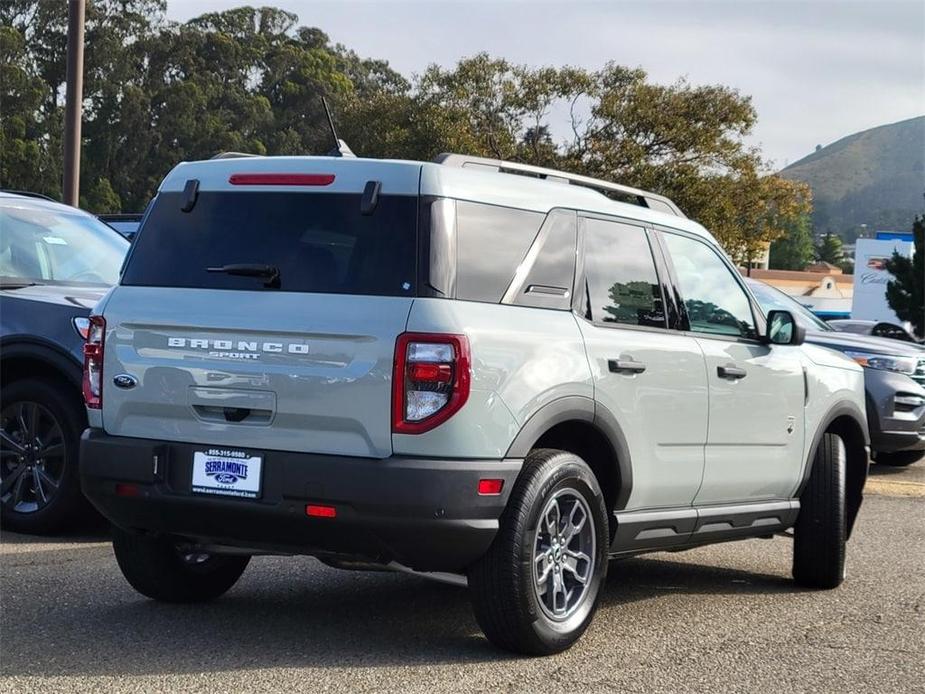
pixel 55 264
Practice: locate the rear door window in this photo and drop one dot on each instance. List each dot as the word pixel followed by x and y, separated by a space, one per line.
pixel 319 242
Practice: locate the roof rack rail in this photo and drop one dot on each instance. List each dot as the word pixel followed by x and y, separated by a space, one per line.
pixel 641 197
pixel 233 155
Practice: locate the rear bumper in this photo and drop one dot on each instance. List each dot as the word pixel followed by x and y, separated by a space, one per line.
pixel 425 514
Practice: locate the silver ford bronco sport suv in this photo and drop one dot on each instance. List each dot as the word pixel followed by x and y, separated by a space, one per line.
pixel 468 368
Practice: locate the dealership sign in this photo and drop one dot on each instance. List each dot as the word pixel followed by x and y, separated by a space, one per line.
pixel 871 278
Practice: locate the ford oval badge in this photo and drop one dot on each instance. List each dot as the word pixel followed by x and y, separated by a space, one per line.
pixel 124 381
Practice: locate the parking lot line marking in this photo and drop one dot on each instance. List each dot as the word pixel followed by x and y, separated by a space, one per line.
pixel 894 487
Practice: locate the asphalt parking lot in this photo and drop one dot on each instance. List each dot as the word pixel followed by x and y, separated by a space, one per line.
pixel 722 618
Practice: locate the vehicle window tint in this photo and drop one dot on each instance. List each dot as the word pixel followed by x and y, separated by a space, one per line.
pixel 548 283
pixel 622 284
pixel 491 242
pixel 319 242
pixel 715 301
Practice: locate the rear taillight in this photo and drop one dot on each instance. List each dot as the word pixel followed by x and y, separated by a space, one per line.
pixel 430 382
pixel 93 363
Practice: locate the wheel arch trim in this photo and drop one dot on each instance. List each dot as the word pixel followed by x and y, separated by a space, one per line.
pixel 43 351
pixel 577 408
pixel 855 482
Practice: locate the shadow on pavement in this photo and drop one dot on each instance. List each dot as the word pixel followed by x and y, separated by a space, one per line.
pixel 306 616
pixel 77 535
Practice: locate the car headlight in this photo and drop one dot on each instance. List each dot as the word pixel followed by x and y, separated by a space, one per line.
pixel 82 326
pixel 903 365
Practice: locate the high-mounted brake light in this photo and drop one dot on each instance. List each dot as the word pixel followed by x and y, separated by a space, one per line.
pixel 93 363
pixel 430 380
pixel 280 179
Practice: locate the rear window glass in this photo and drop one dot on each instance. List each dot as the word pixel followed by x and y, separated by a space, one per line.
pixel 319 242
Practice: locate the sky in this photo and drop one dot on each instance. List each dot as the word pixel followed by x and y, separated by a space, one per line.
pixel 817 70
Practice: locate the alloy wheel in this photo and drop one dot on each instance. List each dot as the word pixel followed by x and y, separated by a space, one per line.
pixel 33 456
pixel 563 554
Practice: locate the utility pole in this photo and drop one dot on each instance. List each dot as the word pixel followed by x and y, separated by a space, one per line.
pixel 73 106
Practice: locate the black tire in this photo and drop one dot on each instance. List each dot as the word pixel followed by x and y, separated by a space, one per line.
pixel 507 607
pixel 821 529
pixel 157 568
pixel 27 505
pixel 899 458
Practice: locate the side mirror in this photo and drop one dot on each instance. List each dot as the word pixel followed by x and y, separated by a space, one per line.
pixel 783 329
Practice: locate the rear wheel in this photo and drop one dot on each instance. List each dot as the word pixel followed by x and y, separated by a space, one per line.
pixel 537 588
pixel 821 529
pixel 899 458
pixel 161 568
pixel 40 426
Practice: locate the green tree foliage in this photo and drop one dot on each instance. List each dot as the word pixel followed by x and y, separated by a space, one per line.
pixel 250 79
pixel 794 250
pixel 906 293
pixel 829 250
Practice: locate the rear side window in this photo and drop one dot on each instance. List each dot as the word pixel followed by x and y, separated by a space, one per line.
pixel 622 284
pixel 319 242
pixel 491 243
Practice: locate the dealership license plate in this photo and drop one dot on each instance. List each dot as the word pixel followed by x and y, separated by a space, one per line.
pixel 227 473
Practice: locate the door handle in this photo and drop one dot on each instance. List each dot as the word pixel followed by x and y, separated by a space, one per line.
pixel 731 371
pixel 626 366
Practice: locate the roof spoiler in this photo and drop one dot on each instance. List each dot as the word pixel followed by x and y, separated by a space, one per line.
pixel 233 155
pixel 641 197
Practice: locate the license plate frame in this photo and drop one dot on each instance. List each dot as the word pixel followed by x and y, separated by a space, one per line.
pixel 227 472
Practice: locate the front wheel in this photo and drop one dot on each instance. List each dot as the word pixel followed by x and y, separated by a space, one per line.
pixel 821 529
pixel 40 425
pixel 160 568
pixel 536 589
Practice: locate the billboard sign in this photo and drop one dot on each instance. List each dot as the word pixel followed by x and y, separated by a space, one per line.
pixel 871 278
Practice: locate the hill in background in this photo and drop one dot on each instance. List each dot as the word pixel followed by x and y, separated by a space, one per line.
pixel 875 177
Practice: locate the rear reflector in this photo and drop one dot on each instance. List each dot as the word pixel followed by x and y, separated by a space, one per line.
pixel 318 511
pixel 123 489
pixel 280 179
pixel 490 487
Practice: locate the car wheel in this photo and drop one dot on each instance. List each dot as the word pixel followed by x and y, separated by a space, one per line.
pixel 899 458
pixel 160 568
pixel 536 589
pixel 821 529
pixel 40 427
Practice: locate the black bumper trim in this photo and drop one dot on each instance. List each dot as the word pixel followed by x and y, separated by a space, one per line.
pixel 423 513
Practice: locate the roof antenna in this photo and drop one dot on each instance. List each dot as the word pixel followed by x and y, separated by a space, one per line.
pixel 340 147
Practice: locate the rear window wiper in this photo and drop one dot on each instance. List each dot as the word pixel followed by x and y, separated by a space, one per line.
pixel 270 273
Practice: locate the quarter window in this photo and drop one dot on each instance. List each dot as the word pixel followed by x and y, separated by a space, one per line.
pixel 491 242
pixel 622 285
pixel 715 301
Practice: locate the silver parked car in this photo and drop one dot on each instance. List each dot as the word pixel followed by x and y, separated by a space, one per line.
pixel 490 372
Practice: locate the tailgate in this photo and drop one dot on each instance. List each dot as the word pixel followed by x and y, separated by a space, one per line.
pixel 254 369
